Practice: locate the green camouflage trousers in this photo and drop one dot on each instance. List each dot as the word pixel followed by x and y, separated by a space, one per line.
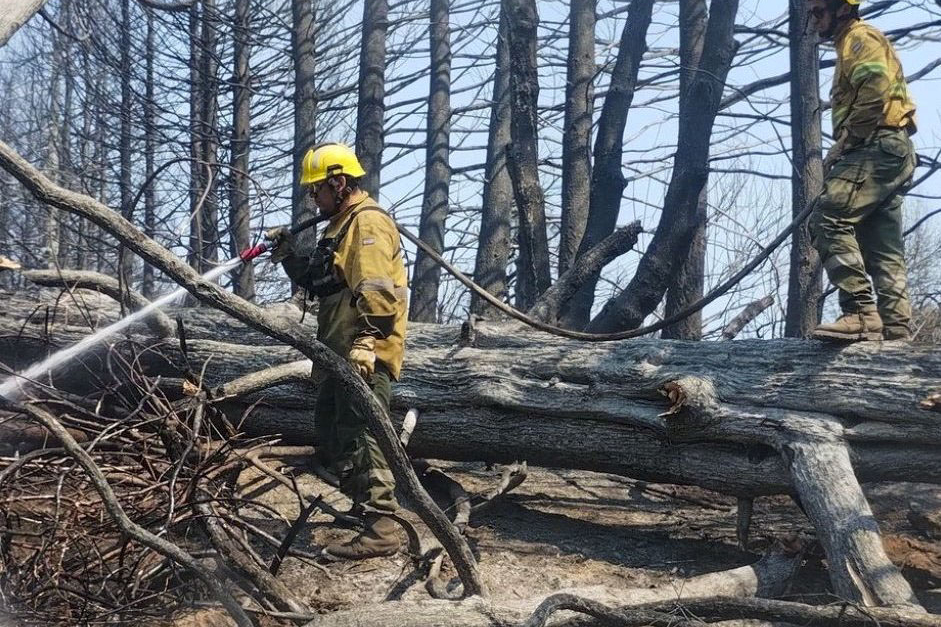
pixel 345 445
pixel 856 226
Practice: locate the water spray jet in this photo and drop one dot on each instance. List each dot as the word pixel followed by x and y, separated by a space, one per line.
pixel 12 387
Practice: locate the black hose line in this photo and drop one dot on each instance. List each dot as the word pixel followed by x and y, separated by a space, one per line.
pixel 621 335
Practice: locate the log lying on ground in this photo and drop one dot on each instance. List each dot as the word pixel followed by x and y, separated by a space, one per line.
pixel 518 394
pixel 745 417
pixel 159 323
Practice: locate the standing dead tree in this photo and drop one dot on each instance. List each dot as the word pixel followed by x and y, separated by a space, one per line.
pixel 532 266
pixel 576 139
pixel 243 278
pixel 370 111
pixel 493 246
pixel 304 58
pixel 688 285
pixel 427 273
pixel 671 241
pixel 607 182
pixel 804 283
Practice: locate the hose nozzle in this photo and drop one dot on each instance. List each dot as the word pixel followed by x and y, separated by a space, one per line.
pixel 250 253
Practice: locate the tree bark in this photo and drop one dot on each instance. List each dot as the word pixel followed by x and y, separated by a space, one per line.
pixel 830 494
pixel 804 280
pixel 671 241
pixel 126 265
pixel 370 111
pixel 150 142
pixel 15 15
pixel 532 263
pixel 607 179
pixel 576 141
pixel 690 280
pixel 493 247
pixel 749 313
pixel 209 253
pixel 304 57
pixel 243 276
pixel 434 212
pixel 193 254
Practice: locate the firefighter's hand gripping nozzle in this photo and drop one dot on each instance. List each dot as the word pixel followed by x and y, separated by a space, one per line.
pixel 279 241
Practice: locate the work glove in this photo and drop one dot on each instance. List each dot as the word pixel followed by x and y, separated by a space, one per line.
pixel 363 355
pixel 282 243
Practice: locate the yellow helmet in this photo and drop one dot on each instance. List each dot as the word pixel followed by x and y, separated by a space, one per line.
pixel 853 2
pixel 326 160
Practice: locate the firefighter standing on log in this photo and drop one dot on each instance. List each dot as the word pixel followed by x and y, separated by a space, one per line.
pixel 856 223
pixel 357 272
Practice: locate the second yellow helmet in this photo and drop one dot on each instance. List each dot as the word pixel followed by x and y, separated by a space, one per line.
pixel 326 160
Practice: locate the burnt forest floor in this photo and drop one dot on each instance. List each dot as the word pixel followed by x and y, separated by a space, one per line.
pixel 574 529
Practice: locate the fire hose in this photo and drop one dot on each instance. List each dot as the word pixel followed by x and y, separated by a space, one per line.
pixel 253 252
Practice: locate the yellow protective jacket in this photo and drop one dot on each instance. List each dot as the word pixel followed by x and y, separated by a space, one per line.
pixel 869 89
pixel 368 262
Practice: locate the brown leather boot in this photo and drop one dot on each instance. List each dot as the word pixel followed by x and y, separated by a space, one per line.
pixel 851 327
pixel 378 539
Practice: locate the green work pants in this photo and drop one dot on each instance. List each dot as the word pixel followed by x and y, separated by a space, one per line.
pixel 856 226
pixel 345 445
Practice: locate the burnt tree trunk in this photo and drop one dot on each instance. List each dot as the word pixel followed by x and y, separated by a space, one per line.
pixel 68 244
pixel 204 209
pixel 434 212
pixel 193 255
pixel 671 241
pixel 126 266
pixel 607 178
pixel 493 247
pixel 150 145
pixel 370 112
pixel 209 64
pixel 804 282
pixel 532 263
pixel 690 280
pixel 304 58
pixel 52 235
pixel 576 141
pixel 243 276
